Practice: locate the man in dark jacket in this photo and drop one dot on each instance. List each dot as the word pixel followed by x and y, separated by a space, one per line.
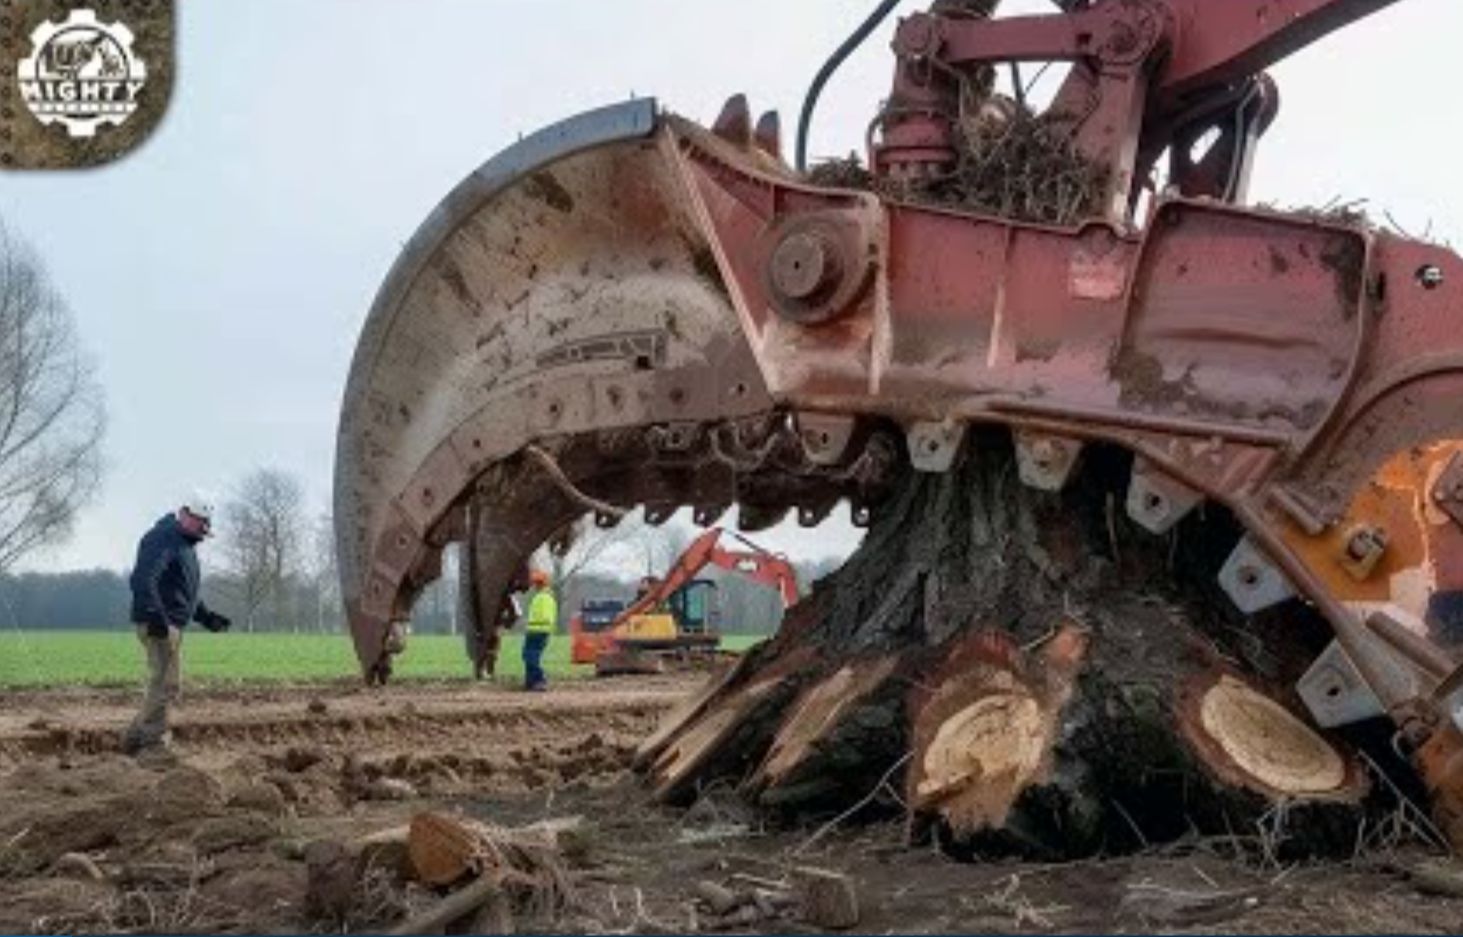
pixel 164 584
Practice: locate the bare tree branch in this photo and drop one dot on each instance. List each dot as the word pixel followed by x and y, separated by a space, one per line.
pixel 52 417
pixel 264 533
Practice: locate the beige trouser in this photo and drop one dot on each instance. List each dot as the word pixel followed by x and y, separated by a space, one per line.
pixel 150 728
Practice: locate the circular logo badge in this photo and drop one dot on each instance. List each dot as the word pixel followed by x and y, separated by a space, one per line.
pixel 82 74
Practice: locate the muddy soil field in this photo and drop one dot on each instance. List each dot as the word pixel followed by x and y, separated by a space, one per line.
pixel 215 840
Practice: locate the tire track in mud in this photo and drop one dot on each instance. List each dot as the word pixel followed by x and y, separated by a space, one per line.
pixel 362 730
pixel 435 739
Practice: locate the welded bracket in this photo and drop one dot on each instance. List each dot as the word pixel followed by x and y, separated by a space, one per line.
pixel 1045 462
pixel 824 437
pixel 1335 693
pixel 1157 502
pixel 933 447
pixel 1448 492
pixel 1252 582
pixel 1407 666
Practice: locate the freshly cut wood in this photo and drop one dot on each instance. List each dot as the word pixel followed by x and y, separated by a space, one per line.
pixel 444 849
pixel 986 725
pixel 80 865
pixel 704 736
pixel 828 727
pixel 1441 877
pixel 728 734
pixel 826 899
pixel 1251 741
pixel 392 834
pixel 677 719
pixel 506 870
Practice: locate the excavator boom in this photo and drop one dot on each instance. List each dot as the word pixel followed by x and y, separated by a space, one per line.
pixel 706 550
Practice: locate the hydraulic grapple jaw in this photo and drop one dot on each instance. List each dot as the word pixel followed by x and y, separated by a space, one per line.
pixel 560 336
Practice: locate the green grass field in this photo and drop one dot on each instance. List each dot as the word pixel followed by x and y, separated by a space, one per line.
pixel 110 658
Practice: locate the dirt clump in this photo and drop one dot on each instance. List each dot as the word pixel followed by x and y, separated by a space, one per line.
pixel 219 836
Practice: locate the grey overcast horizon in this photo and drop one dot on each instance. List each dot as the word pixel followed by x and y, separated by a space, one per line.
pixel 220 274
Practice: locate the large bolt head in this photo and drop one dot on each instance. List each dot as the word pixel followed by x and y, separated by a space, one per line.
pixel 805 265
pixel 817 265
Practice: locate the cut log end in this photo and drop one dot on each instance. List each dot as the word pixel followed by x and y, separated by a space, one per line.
pixel 1249 740
pixel 442 849
pixel 982 757
pixel 986 726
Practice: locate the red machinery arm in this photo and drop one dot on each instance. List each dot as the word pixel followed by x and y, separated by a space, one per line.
pixel 759 566
pixel 1147 71
pixel 1220 43
pixel 1207 43
pixel 706 550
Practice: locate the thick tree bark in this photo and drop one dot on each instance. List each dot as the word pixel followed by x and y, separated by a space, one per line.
pixel 1039 674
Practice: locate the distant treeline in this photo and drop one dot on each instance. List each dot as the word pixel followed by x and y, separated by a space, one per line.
pixel 100 600
pixel 84 600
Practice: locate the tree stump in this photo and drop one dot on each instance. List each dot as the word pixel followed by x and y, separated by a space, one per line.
pixel 1051 680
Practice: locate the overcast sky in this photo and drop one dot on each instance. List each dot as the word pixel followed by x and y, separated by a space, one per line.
pixel 220 274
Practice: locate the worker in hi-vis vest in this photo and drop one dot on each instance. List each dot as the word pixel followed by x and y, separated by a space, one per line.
pixel 543 618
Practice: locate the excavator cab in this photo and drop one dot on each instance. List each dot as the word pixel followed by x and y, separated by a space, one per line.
pixel 684 623
pixel 697 607
pixel 689 620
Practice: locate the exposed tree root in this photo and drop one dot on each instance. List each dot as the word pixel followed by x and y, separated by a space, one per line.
pixel 1050 680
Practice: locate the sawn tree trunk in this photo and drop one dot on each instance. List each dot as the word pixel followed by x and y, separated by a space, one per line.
pixel 1028 672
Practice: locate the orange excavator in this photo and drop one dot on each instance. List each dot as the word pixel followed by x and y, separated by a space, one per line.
pixel 674 616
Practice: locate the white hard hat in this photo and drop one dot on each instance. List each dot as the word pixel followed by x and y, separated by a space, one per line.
pixel 200 505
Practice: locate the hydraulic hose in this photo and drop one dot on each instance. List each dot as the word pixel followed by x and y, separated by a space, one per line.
pixel 810 103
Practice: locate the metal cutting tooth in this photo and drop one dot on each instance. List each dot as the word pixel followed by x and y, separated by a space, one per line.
pixel 1252 582
pixel 734 123
pixel 658 514
pixel 706 515
pixel 1157 502
pixel 1335 693
pixel 768 134
pixel 811 515
pixel 1046 462
pixel 933 447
